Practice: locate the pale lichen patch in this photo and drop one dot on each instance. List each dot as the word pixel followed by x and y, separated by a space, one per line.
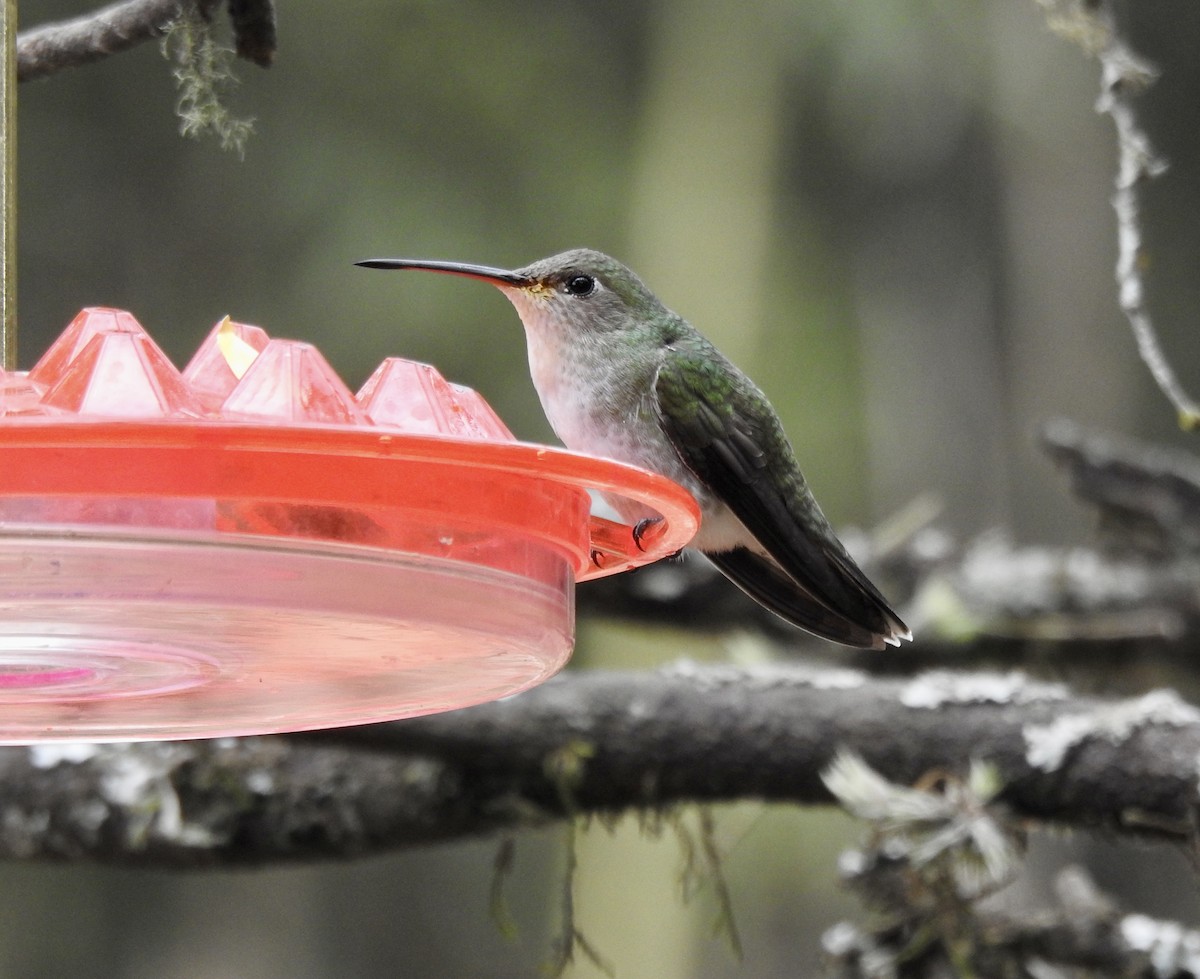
pixel 764 676
pixel 945 829
pixel 56 753
pixel 938 687
pixel 1047 745
pixel 1172 949
pixel 139 782
pixel 134 780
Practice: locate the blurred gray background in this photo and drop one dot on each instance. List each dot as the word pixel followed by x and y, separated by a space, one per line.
pixel 893 214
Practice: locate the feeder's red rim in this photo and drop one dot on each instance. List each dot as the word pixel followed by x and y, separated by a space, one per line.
pixel 612 546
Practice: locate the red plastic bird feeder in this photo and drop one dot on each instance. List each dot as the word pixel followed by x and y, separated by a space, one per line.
pixel 248 547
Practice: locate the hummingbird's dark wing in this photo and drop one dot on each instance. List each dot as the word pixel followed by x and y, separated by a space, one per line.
pixel 726 432
pixel 761 579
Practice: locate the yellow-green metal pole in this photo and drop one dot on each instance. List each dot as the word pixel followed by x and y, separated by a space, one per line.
pixel 8 186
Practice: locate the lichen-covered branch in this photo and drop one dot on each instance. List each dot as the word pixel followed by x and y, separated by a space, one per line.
pixel 987 599
pixel 1085 934
pixel 49 48
pixel 1124 75
pixel 1139 584
pixel 254 32
pixel 601 742
pixel 1147 496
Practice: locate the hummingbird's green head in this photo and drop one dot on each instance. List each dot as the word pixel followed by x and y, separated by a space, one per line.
pixel 571 295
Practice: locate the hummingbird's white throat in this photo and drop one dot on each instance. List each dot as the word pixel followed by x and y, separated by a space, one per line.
pixel 563 394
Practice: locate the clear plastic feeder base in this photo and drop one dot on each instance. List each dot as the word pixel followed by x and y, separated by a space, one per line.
pixel 203 638
pixel 249 548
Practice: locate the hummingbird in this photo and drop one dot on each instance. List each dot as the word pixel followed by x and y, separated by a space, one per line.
pixel 621 375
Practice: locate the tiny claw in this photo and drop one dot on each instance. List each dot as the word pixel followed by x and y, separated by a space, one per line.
pixel 648 530
pixel 599 559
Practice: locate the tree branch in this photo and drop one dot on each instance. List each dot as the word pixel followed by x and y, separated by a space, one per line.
pixel 1086 934
pixel 595 742
pixel 254 30
pixel 1123 76
pixel 49 48
pixel 1148 496
pixel 1139 585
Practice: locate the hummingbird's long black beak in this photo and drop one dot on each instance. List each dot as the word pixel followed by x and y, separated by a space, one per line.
pixel 498 277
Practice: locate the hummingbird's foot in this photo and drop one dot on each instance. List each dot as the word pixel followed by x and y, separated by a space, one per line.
pixel 647 531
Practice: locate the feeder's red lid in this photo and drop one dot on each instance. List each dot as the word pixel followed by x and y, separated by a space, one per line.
pixel 249 547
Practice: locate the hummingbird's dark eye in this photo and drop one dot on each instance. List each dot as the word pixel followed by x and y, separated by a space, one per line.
pixel 580 285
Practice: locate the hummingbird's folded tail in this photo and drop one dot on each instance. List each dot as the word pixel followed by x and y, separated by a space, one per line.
pixel 866 621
